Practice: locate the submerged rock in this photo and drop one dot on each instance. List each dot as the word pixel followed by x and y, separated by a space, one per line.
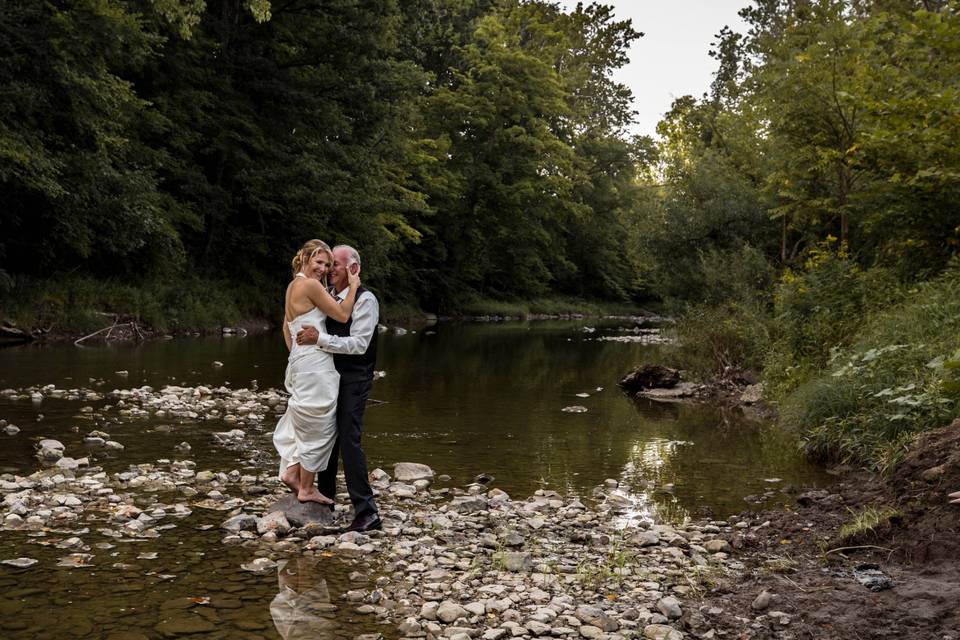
pixel 260 565
pixel 678 392
pixel 21 563
pixel 185 625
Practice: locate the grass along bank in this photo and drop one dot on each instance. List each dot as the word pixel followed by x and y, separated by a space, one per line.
pixel 857 362
pixel 545 306
pixel 900 375
pixel 77 306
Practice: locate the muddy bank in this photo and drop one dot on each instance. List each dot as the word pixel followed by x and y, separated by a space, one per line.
pixel 873 557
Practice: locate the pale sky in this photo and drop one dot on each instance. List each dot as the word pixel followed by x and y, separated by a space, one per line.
pixel 671 59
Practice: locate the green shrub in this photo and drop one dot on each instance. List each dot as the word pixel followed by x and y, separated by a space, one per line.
pixel 83 304
pixel 897 377
pixel 545 306
pixel 820 310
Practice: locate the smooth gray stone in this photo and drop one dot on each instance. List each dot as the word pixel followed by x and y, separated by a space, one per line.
pixel 411 471
pixel 302 513
pixel 242 522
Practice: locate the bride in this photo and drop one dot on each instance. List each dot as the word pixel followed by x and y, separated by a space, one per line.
pixel 307 432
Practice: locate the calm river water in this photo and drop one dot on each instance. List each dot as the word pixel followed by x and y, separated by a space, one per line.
pixel 464 399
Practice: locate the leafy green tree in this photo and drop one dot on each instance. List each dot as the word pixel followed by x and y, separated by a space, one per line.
pixel 79 191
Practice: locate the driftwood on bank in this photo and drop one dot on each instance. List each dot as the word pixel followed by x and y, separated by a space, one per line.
pixel 11 334
pixel 126 331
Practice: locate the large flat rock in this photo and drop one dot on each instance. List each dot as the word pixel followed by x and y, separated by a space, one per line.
pixel 650 376
pixel 301 513
pixel 682 391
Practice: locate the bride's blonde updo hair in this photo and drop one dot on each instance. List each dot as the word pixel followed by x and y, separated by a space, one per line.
pixel 309 249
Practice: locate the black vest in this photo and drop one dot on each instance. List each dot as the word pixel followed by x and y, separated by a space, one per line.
pixel 353 368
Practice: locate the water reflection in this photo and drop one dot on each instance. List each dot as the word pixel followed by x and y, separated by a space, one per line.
pixel 302 608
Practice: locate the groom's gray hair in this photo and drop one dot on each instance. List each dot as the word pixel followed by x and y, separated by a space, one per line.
pixel 354 255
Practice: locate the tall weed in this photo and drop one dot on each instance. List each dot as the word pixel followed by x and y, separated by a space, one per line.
pixel 729 327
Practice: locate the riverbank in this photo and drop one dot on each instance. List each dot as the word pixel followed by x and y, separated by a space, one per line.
pixel 71 308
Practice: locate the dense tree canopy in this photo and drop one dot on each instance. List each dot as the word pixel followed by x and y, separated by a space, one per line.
pixel 466 147
pixel 829 119
pixel 803 220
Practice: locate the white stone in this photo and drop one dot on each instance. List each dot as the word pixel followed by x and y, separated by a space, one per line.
pixel 590 632
pixel 449 611
pixel 661 632
pixel 411 472
pixel 21 563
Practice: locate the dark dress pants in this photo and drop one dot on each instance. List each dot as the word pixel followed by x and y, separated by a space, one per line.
pixel 350 406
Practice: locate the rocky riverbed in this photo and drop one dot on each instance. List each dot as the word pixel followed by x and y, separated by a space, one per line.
pixel 462 562
pixel 457 563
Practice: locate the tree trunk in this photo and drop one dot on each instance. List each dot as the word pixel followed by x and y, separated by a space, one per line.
pixel 783 240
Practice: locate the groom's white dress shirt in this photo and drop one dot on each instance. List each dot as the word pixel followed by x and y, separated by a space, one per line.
pixel 366 315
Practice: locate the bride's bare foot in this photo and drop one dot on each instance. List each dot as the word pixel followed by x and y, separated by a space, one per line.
pixel 291 478
pixel 311 494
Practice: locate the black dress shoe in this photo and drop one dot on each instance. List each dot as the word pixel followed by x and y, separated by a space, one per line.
pixel 368 522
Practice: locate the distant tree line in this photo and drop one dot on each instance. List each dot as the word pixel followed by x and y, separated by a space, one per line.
pixel 466 147
pixel 471 148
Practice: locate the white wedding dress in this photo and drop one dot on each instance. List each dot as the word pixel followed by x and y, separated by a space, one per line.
pixel 308 429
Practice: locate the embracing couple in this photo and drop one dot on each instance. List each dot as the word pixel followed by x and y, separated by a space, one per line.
pixel 330 328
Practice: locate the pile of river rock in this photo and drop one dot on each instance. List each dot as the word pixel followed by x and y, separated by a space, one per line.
pixel 461 563
pixel 473 563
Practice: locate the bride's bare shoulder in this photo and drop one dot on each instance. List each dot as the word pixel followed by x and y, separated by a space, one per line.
pixel 312 286
pixel 304 284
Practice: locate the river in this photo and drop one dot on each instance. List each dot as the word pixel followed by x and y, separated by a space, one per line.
pixel 464 398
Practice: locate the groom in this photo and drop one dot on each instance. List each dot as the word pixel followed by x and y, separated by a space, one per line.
pixel 354 348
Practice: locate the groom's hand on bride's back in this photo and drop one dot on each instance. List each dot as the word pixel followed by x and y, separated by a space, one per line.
pixel 307 335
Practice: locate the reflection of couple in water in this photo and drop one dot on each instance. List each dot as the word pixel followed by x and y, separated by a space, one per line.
pixel 301 608
pixel 330 329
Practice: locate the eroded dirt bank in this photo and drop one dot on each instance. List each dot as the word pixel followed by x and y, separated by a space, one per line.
pixel 811 572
